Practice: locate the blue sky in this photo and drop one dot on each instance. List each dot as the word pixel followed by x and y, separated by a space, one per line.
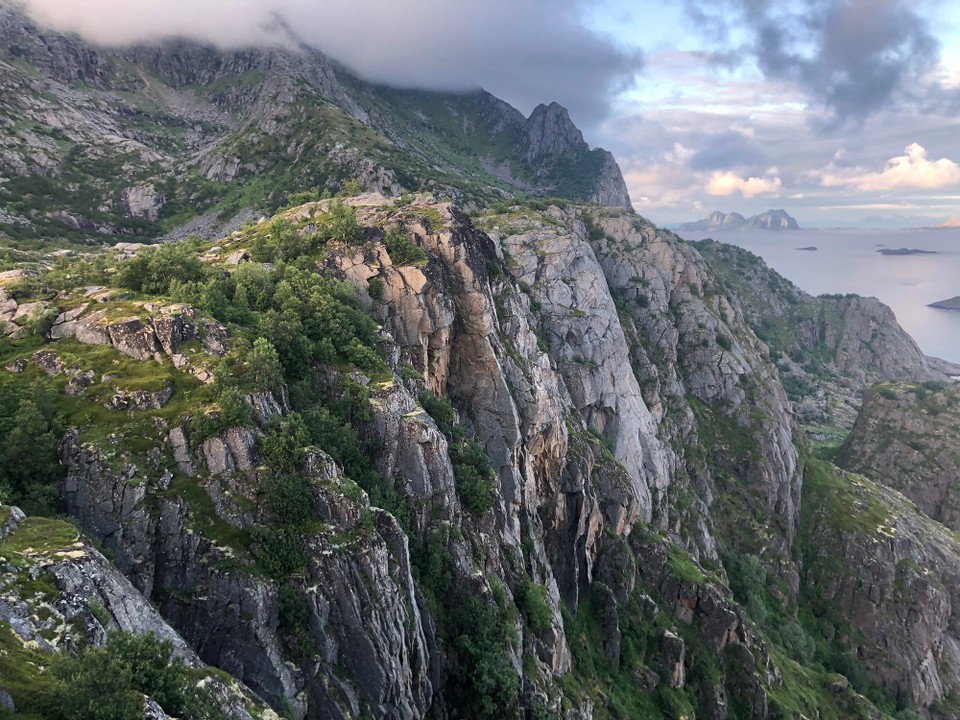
pixel 697 133
pixel 842 112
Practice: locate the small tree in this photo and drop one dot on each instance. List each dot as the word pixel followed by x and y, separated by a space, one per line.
pixel 266 372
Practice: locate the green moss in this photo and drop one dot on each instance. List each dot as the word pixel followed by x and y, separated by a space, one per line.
pixel 37 536
pixel 850 502
pixel 613 686
pixel 205 517
pixel 682 566
pixel 22 670
pixel 532 602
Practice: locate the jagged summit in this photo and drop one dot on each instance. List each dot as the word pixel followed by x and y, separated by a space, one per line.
pixel 769 220
pixel 772 220
pixel 551 133
pixel 199 134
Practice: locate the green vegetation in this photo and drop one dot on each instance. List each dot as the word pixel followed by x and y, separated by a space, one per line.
pixel 841 506
pixel 483 683
pixel 402 250
pixel 103 683
pixel 475 477
pixel 479 631
pixel 614 685
pixel 37 536
pixel 285 241
pixel 155 270
pixel 532 602
pixel 30 427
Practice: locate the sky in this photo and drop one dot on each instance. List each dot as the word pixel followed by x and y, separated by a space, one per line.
pixel 842 112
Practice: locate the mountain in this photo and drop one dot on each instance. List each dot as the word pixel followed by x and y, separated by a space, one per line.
pixel 715 221
pixel 137 142
pixel 951 223
pixel 770 220
pixel 447 454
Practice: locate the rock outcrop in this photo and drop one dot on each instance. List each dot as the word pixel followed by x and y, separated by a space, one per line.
pixel 361 607
pixel 906 437
pixel 884 578
pixel 826 347
pixel 81 597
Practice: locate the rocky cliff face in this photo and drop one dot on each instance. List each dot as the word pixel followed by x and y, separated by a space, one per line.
pixel 882 581
pixel 385 459
pixel 905 438
pixel 356 595
pixel 75 598
pixel 826 347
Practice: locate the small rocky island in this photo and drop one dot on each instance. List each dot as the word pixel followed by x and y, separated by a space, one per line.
pixel 951 304
pixel 906 251
pixel 809 248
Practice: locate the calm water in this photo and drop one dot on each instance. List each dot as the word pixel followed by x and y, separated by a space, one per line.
pixel 847 261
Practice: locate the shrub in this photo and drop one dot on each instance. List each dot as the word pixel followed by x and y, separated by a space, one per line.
pixel 265 370
pixel 287 497
pixel 339 224
pixel 294 617
pixel 375 289
pixel 484 683
pixel 279 551
pixel 471 466
pixel 108 683
pixel 154 269
pixel 441 411
pixel 232 410
pixel 402 250
pixel 29 429
pixel 432 563
pixel 283 446
pixel 532 601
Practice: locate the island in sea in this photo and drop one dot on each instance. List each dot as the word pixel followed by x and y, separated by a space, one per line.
pixel 906 251
pixel 769 220
pixel 950 304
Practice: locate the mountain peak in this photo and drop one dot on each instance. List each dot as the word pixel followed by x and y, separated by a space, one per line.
pixel 551 132
pixel 717 220
pixel 772 220
pixel 258 109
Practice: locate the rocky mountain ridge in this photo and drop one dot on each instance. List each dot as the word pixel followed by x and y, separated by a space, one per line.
pixel 826 348
pixel 769 220
pixel 141 141
pixel 587 498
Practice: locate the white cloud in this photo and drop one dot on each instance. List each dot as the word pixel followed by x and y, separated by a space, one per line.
pixel 727 183
pixel 914 170
pixel 525 52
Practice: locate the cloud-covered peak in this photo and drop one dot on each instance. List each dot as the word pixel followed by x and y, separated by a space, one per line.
pixel 527 53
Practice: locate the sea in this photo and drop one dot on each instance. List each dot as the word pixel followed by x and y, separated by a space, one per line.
pixel 849 261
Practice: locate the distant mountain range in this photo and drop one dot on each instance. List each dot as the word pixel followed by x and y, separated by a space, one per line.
pixel 769 220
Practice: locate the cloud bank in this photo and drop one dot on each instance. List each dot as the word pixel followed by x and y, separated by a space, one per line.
pixel 525 52
pixel 911 171
pixel 726 184
pixel 851 56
